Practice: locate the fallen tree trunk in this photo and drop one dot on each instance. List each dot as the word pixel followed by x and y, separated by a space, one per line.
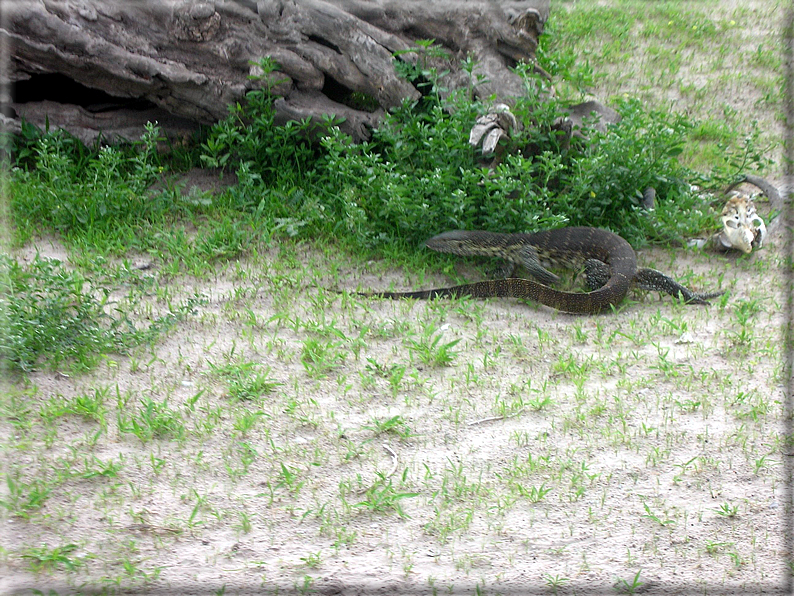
pixel 110 66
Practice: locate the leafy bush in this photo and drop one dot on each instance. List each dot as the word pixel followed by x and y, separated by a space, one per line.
pixel 250 138
pixel 77 193
pixel 418 176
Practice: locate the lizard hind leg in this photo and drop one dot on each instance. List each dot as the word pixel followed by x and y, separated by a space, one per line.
pixel 529 260
pixel 597 273
pixel 656 281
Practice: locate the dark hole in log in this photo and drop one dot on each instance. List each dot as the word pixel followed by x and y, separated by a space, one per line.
pixel 324 42
pixel 336 91
pixel 510 62
pixel 421 34
pixel 62 89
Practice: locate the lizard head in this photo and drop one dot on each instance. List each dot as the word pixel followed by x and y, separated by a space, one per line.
pixel 452 242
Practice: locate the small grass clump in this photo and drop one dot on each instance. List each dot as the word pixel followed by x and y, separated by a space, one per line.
pixel 54 315
pixel 245 381
pixel 153 420
pixel 44 558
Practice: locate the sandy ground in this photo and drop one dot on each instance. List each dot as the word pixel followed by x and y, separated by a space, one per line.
pixel 551 454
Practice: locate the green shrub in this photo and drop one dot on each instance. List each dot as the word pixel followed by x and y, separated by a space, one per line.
pixel 50 314
pixel 74 193
pixel 418 175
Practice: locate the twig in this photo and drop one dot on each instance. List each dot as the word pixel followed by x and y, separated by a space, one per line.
pixel 391 452
pixel 492 418
pixel 394 456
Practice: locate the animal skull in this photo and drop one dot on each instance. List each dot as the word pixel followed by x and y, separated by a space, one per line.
pixel 742 228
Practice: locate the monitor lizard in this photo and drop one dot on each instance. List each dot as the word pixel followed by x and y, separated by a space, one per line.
pixel 609 262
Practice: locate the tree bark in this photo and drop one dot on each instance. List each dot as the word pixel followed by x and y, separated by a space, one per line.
pixel 184 62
